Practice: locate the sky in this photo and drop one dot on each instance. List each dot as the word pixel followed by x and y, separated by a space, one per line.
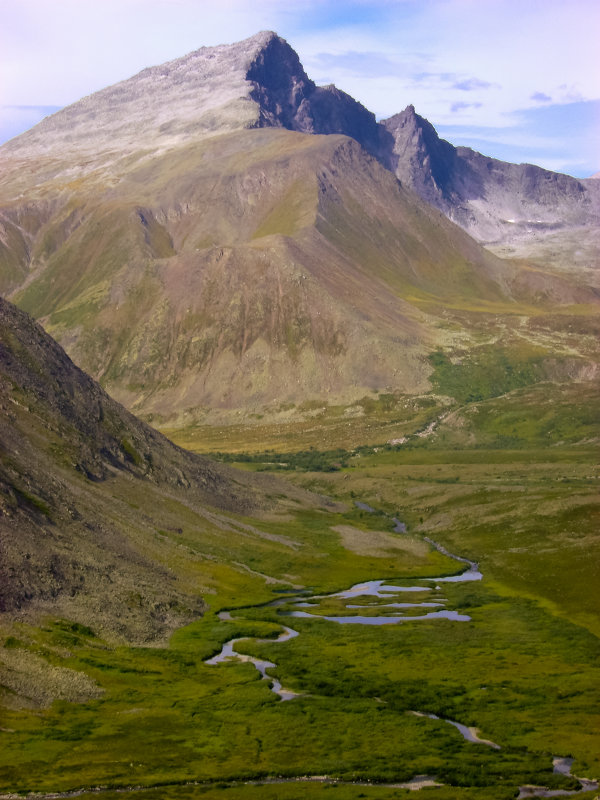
pixel 515 79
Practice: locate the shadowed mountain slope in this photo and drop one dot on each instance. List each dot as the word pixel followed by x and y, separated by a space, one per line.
pixel 94 503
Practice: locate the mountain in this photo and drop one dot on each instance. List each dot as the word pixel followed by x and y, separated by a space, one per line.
pixel 288 283
pixel 220 233
pixel 519 209
pixel 102 519
pixel 260 82
pixel 206 236
pixel 215 90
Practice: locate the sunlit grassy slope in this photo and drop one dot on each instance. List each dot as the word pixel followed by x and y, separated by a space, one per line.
pixel 266 268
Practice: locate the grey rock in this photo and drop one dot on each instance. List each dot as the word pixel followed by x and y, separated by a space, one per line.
pixel 513 208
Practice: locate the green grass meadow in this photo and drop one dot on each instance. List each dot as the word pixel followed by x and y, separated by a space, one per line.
pixel 524 671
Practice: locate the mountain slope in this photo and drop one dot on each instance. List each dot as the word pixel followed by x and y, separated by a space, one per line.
pixel 256 83
pixel 191 251
pixel 260 267
pixel 260 82
pixel 514 207
pixel 95 506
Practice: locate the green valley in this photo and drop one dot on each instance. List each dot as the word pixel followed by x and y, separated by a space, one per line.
pixel 523 670
pixel 348 546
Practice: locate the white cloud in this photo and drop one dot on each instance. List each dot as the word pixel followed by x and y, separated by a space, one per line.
pixel 540 97
pixel 474 84
pixel 461 106
pixel 503 51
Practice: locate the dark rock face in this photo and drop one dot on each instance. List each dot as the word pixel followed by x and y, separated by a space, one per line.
pixel 281 87
pixel 495 201
pixel 335 111
pixel 420 158
pixel 288 98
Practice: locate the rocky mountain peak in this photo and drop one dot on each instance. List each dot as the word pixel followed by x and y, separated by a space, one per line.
pixel 409 120
pixel 258 82
pixel 261 83
pixel 403 118
pixel 496 202
pixel 253 83
pixel 281 86
pixel 419 157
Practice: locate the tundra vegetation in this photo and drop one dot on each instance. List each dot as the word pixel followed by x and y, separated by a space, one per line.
pixel 510 482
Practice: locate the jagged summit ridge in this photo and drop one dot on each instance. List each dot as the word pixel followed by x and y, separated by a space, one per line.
pixel 258 82
pixel 419 158
pixel 261 83
pixel 288 98
pixel 496 202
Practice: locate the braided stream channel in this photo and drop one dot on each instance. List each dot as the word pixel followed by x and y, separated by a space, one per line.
pixel 375 595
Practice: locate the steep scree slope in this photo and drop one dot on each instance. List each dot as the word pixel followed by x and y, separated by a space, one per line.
pixel 93 501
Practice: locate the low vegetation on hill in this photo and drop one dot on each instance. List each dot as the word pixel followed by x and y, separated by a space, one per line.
pixel 103 684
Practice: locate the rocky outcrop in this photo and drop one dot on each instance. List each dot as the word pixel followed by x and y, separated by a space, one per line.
pixel 421 159
pixel 495 201
pixel 288 98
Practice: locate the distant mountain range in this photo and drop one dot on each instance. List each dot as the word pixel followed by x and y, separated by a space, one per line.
pixel 195 242
pixel 519 206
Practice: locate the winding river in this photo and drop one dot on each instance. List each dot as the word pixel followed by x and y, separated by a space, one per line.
pixel 560 766
pixel 380 596
pixel 376 595
pixel 262 666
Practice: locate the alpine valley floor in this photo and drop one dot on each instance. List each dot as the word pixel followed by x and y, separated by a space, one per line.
pixel 227 248
pixel 519 664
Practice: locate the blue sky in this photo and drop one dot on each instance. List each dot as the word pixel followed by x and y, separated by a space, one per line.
pixel 516 79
